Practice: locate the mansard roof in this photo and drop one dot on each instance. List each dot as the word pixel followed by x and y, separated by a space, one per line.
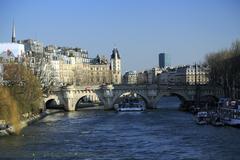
pixel 115 53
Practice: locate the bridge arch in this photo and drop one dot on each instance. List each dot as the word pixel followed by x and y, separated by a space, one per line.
pixel 51 102
pixel 119 95
pixel 88 98
pixel 209 99
pixel 182 97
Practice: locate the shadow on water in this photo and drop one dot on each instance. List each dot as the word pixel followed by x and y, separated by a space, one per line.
pixel 169 103
pixel 90 106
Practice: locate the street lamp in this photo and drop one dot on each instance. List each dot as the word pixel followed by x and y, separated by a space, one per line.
pixel 196 87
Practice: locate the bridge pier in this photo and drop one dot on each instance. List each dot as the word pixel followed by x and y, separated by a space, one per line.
pixel 151 105
pixel 108 97
pixel 70 106
pixel 108 105
pixel 69 97
pixel 186 105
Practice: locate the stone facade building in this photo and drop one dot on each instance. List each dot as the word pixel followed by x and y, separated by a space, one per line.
pixel 75 67
pixel 149 76
pixel 196 73
pixel 130 77
pixel 31 45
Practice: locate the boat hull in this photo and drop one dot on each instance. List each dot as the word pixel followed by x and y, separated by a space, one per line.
pixel 232 122
pixel 129 109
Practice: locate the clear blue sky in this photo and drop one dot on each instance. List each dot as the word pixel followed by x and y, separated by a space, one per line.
pixel 140 29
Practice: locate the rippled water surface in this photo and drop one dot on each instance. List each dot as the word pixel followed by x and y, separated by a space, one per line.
pixel 96 134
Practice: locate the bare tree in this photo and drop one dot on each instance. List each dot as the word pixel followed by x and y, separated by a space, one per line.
pixel 225 70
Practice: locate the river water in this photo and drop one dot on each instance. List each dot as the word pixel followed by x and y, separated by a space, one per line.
pixel 165 133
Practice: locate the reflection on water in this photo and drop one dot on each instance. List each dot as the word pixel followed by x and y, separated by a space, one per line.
pixel 54 118
pixel 97 134
pixel 171 102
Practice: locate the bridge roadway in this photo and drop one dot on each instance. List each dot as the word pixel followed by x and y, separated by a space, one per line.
pixel 109 94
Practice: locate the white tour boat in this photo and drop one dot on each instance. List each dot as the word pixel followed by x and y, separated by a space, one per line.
pixel 129 107
pixel 230 111
pixel 230 116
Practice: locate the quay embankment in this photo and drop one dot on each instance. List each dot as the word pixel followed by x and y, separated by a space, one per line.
pixel 10 130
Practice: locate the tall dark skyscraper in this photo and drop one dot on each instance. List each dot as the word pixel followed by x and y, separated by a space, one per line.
pixel 164 60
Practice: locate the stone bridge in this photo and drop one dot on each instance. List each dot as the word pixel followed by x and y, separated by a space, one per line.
pixel 109 94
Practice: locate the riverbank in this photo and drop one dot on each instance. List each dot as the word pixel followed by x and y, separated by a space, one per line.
pixel 29 121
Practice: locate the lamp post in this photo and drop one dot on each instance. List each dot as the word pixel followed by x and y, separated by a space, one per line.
pixel 196 87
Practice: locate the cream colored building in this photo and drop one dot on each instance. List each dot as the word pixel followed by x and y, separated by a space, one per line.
pixel 78 69
pixel 184 75
pixel 198 74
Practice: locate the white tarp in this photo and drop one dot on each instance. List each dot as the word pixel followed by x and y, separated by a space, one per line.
pixel 15 48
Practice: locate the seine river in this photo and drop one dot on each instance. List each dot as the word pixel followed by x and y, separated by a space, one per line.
pixel 96 134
